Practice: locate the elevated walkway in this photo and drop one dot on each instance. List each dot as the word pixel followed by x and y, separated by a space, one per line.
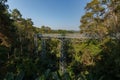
pixel 59 36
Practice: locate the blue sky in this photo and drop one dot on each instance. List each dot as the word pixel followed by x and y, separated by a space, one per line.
pixel 57 14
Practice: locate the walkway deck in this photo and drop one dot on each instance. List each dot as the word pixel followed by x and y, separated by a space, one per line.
pixel 68 36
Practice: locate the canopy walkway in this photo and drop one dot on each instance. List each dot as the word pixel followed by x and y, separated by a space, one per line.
pixel 67 36
pixel 62 38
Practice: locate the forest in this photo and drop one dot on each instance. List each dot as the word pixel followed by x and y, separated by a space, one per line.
pixel 93 59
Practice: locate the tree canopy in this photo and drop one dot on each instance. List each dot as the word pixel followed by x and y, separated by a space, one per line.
pixel 97 58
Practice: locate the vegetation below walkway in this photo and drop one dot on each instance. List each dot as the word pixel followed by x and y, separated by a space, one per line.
pixel 89 60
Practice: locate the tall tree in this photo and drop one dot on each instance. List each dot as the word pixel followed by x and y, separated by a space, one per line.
pixel 112 16
pixel 6 27
pixel 91 21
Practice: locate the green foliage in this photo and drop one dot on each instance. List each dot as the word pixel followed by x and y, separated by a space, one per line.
pixel 97 58
pixel 11 76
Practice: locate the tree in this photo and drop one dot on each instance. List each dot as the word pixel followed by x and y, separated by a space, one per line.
pixel 91 22
pixel 6 27
pixel 102 18
pixel 16 14
pixel 112 16
pixel 45 29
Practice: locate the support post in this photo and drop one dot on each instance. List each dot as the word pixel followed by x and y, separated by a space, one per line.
pixel 36 43
pixel 43 47
pixel 62 57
